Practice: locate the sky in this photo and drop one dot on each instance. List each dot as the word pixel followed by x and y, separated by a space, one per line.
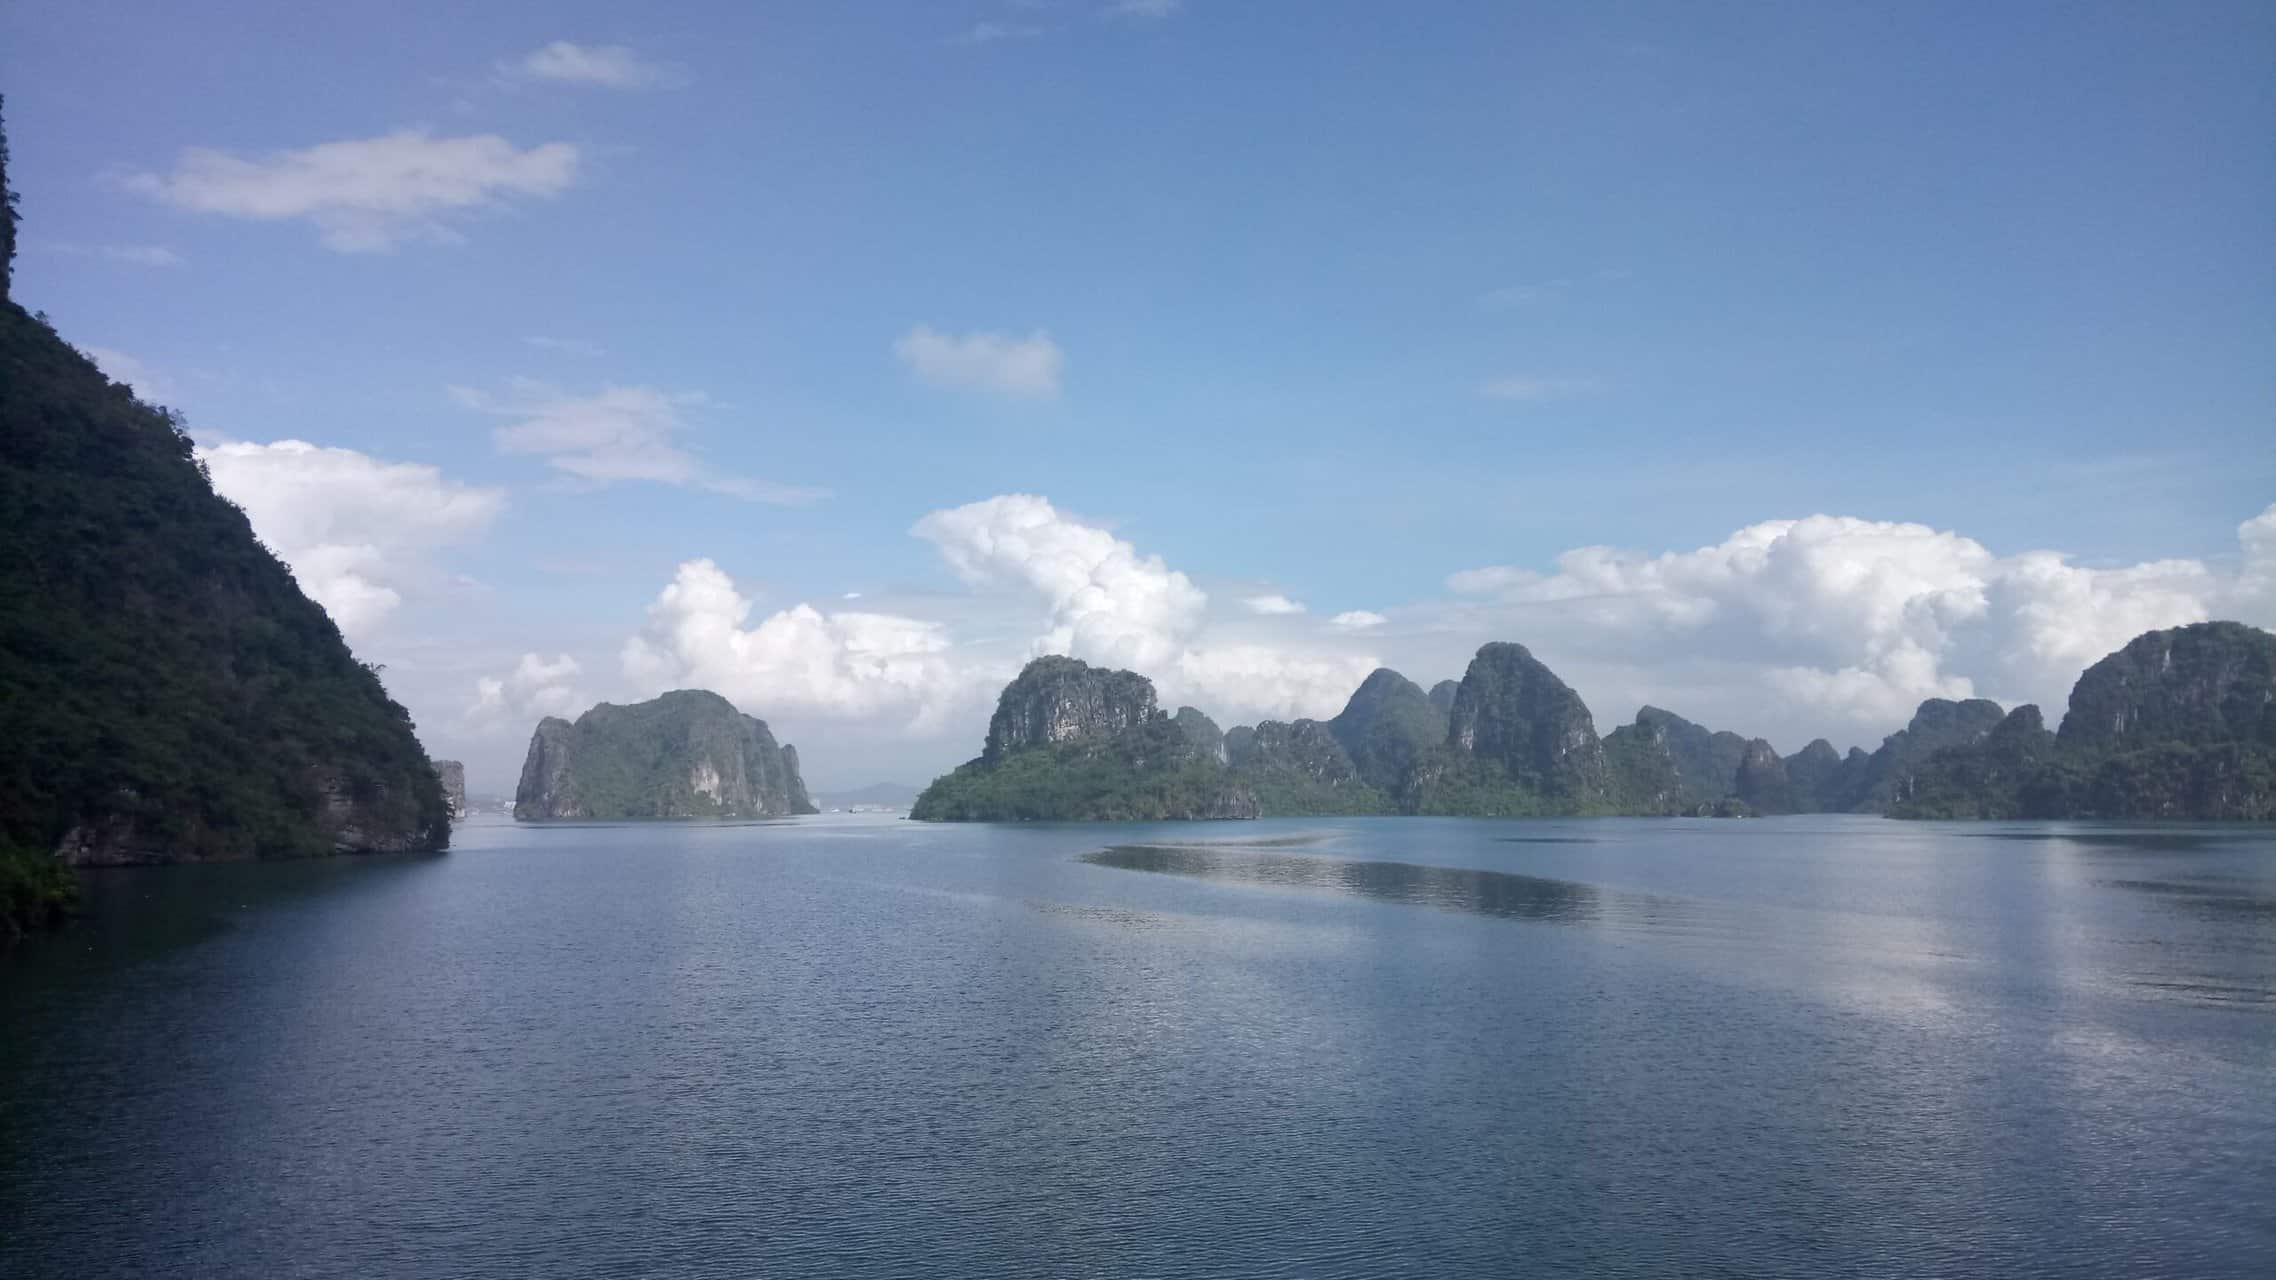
pixel 1778 364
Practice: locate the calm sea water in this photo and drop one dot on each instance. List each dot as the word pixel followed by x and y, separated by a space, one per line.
pixel 1808 1047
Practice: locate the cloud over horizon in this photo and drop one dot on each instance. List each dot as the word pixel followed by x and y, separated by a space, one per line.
pixel 617 433
pixel 358 532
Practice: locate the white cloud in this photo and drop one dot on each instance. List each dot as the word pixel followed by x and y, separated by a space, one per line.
pixel 367 194
pixel 1851 622
pixel 617 433
pixel 1104 602
pixel 358 532
pixel 1358 620
pixel 983 361
pixel 1271 605
pixel 606 66
pixel 148 384
pixel 843 665
pixel 1529 387
pixel 537 687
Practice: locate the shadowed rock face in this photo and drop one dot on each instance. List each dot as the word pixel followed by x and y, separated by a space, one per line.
pixel 1302 748
pixel 453 775
pixel 1386 726
pixel 1442 695
pixel 1202 732
pixel 687 754
pixel 1513 711
pixel 1058 699
pixel 1672 764
pixel 2210 682
pixel 1761 781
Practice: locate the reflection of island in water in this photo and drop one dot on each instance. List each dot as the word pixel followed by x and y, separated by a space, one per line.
pixel 1486 893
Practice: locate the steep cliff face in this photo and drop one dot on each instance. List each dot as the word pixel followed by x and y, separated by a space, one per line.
pixel 2178 724
pixel 453 777
pixel 1814 776
pixel 687 754
pixel 1202 732
pixel 1387 725
pixel 1874 784
pixel 1058 699
pixel 2211 682
pixel 1665 763
pixel 1761 782
pixel 1298 767
pixel 1514 713
pixel 167 693
pixel 1070 742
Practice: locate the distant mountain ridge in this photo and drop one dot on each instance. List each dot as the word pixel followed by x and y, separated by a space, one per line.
pixel 1512 739
pixel 685 754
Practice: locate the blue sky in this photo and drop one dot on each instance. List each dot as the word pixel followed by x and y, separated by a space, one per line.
pixel 1331 302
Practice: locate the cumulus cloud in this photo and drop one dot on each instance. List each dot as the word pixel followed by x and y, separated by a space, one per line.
pixel 1856 621
pixel 843 664
pixel 1271 605
pixel 616 433
pixel 1357 619
pixel 358 532
pixel 604 66
pixel 537 687
pixel 1101 600
pixel 367 194
pixel 993 362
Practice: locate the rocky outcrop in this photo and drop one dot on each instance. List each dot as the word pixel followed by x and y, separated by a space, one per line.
pixel 1202 732
pixel 453 777
pixel 1386 726
pixel 1872 785
pixel 167 691
pixel 1814 775
pixel 1514 713
pixel 1070 742
pixel 2178 724
pixel 1057 699
pixel 1666 764
pixel 687 754
pixel 1761 782
pixel 2210 682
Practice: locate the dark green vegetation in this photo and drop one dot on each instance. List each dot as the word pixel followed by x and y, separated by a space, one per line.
pixel 2178 724
pixel 686 754
pixel 166 691
pixel 36 891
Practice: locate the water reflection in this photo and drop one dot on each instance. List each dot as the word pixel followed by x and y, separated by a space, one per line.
pixel 1485 893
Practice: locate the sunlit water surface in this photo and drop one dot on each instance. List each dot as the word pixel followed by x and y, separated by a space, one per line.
pixel 1805 1047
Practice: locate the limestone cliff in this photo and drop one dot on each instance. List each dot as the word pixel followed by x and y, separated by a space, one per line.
pixel 686 754
pixel 453 776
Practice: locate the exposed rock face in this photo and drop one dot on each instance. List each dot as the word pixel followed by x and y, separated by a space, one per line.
pixel 2210 682
pixel 1240 742
pixel 1386 726
pixel 1058 699
pixel 1672 765
pixel 1761 782
pixel 1202 732
pixel 1302 748
pixel 1074 743
pixel 2179 724
pixel 1514 712
pixel 687 754
pixel 1940 723
pixel 453 775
